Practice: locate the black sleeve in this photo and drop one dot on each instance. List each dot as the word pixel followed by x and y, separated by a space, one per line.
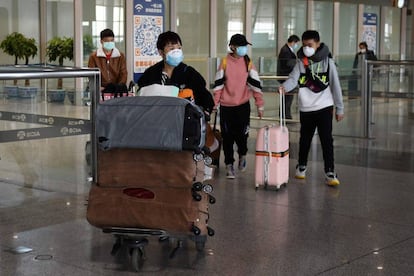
pixel 152 75
pixel 197 83
pixel 355 65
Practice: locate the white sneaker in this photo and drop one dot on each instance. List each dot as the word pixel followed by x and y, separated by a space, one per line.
pixel 300 172
pixel 331 179
pixel 242 163
pixel 230 172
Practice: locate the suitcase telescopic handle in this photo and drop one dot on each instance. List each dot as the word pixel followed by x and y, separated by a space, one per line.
pixel 282 108
pixel 215 120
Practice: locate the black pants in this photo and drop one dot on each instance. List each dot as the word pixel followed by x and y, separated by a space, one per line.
pixel 234 123
pixel 288 105
pixel 321 120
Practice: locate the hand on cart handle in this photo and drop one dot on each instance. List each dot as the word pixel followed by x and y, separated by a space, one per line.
pixel 281 90
pixel 260 112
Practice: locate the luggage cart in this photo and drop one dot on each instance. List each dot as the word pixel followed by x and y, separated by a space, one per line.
pixel 117 175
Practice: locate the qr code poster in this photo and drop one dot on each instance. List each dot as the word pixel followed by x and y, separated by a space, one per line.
pixel 146 32
pixel 148 25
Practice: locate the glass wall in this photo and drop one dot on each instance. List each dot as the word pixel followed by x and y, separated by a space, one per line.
pixel 322 21
pixel 193 23
pixel 230 20
pixel 293 19
pixel 264 33
pixel 391 33
pixel 348 29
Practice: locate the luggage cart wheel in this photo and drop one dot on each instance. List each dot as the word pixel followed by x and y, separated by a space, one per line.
pixel 196 230
pixel 200 242
pixel 211 199
pixel 210 231
pixel 197 186
pixel 196 196
pixel 137 257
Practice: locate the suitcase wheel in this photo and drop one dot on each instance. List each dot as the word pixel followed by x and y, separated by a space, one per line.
pixel 211 199
pixel 210 231
pixel 207 188
pixel 208 160
pixel 196 196
pixel 198 157
pixel 195 230
pixel 197 186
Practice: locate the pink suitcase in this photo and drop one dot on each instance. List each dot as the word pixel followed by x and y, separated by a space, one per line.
pixel 272 153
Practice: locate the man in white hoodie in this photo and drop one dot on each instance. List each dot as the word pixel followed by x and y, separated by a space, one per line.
pixel 320 96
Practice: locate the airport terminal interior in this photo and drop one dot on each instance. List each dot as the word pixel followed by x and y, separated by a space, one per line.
pixel 364 226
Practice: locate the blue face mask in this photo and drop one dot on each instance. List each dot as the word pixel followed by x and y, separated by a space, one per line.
pixel 241 51
pixel 174 57
pixel 295 46
pixel 110 45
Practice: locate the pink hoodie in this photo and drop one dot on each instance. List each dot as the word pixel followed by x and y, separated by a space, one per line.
pixel 235 85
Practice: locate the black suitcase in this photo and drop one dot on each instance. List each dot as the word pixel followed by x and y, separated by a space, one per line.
pixel 153 122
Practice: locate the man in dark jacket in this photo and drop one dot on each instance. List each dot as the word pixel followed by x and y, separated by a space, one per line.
pixel 285 62
pixel 172 71
pixel 363 50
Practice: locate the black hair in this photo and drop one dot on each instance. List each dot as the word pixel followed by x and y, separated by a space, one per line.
pixel 168 37
pixel 311 34
pixel 293 38
pixel 363 43
pixel 107 33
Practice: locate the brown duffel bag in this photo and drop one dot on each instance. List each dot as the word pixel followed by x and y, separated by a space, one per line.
pixel 172 209
pixel 140 188
pixel 148 168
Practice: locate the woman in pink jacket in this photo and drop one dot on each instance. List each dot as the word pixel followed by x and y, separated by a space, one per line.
pixel 237 80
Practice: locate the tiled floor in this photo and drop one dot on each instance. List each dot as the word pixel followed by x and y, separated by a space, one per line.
pixel 363 227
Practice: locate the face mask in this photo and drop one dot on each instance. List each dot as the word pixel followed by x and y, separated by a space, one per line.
pixel 295 47
pixel 241 51
pixel 109 45
pixel 174 57
pixel 363 50
pixel 308 51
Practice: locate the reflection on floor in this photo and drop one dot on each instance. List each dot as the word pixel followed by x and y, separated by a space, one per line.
pixel 363 227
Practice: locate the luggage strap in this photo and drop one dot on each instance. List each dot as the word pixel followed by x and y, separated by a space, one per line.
pixel 272 154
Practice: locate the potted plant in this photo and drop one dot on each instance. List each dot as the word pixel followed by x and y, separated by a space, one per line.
pixel 21 47
pixel 59 48
pixel 88 46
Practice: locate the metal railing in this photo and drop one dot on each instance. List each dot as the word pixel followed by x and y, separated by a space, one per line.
pixel 44 72
pixel 367 73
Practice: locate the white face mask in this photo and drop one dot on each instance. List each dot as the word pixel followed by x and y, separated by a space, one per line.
pixel 308 51
pixel 363 50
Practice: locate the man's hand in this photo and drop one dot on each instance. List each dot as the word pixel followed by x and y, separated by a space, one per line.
pixel 281 90
pixel 339 117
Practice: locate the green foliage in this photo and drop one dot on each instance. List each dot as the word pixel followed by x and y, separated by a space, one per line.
pixel 29 49
pixel 59 48
pixel 88 46
pixel 19 46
